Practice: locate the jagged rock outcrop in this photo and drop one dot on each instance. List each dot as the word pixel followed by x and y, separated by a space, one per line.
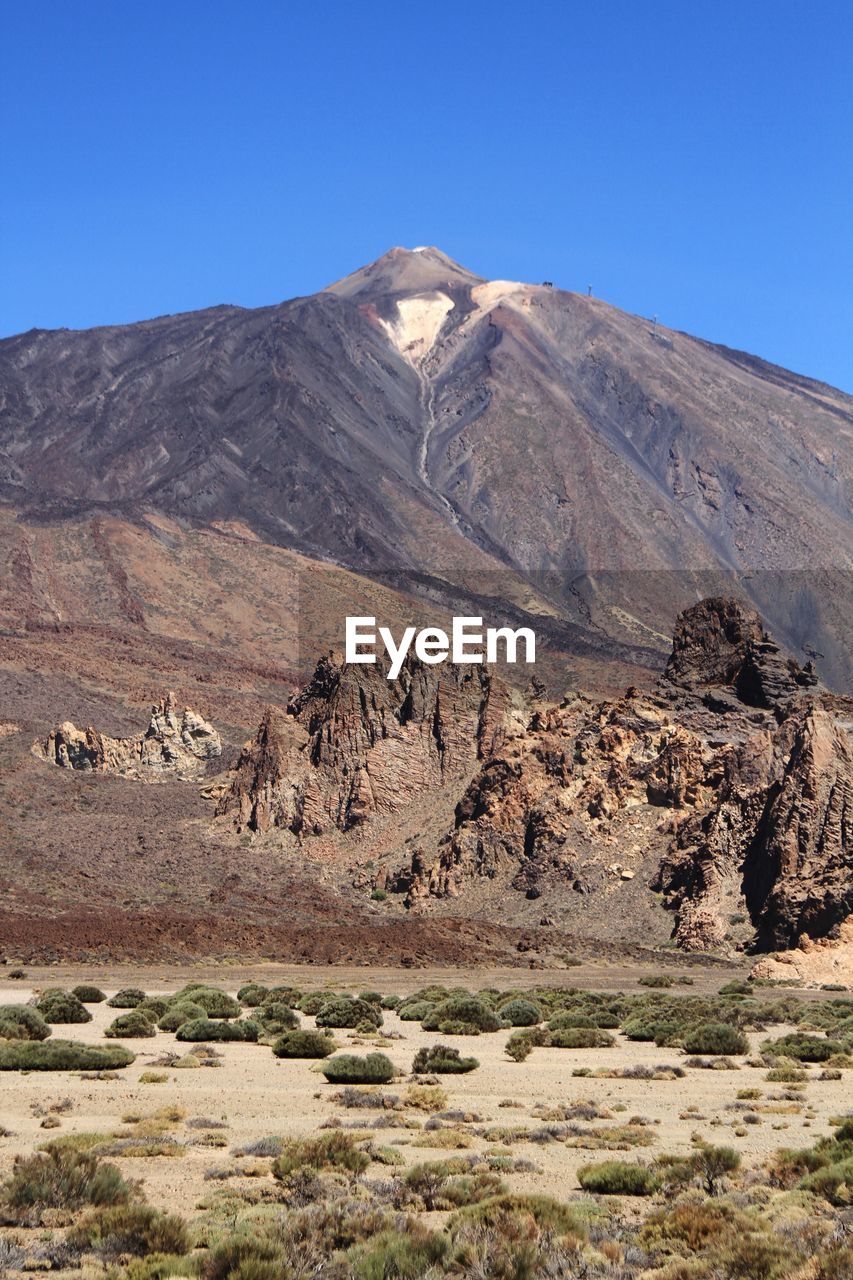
pixel 734 777
pixel 174 744
pixel 355 745
pixel 721 642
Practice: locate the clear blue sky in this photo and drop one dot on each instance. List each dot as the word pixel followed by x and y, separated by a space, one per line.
pixel 694 161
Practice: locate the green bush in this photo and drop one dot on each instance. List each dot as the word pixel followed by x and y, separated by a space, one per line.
pixel 346 1011
pixel 22 1022
pixel 59 1006
pixel 136 1229
pixel 62 1055
pixel 711 1163
pixel 333 1150
pixel 136 1024
pixel 390 1002
pixel 62 1178
pixel 349 1068
pixel 313 1001
pixel 658 980
pixel 640 1027
pixel 459 1012
pixel 277 1017
pixel 715 1038
pixel 442 1060
pixel 303 1044
pixel 253 994
pixel 580 1038
pixel 290 996
pixel 414 1010
pixel 802 1047
pixel 199 1029
pixel 520 1013
pixel 88 995
pixel 127 998
pixel 617 1178
pixel 520 1043
pixel 216 1004
pixel 156 1006
pixel 177 1014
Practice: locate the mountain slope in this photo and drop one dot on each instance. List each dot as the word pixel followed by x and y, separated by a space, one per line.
pixel 414 417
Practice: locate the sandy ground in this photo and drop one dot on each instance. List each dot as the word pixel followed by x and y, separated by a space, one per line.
pixel 258 1095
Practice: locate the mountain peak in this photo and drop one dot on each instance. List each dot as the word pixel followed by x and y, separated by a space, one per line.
pixel 405 271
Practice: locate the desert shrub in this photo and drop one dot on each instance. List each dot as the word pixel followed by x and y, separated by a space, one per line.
pixel 199 1029
pixel 59 1006
pixel 276 1018
pixel 657 980
pixel 414 1010
pixel 715 1038
pixel 216 1004
pixel 349 1068
pixel 285 995
pixel 594 1018
pixel 127 998
pixel 640 1027
pixel 617 1178
pixel 462 1012
pixel 88 995
pixel 442 1060
pixel 333 1150
pixel 371 997
pixel 62 1055
pixel 177 1014
pixel 390 1002
pixel 712 1163
pixel 303 1044
pixel 752 1256
pixel 736 988
pixel 417 1251
pixel 22 1022
pixel 580 1038
pixel 136 1024
pixel 253 994
pixel 520 1013
pixel 136 1229
pixel 802 1047
pixel 313 1001
pixel 347 1011
pixel 521 1043
pixel 63 1178
pixel 834 1182
pixel 156 1006
pixel 513 1215
pixel 786 1073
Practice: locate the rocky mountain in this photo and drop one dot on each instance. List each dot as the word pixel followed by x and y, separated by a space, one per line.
pixel 196 502
pixel 526 445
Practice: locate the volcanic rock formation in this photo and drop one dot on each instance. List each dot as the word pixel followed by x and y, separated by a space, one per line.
pixel 355 745
pixel 728 787
pixel 173 745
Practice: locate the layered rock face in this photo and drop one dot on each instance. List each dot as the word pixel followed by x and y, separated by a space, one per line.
pixel 174 744
pixel 355 745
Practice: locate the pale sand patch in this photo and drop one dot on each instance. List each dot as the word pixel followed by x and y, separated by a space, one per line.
pixel 417 325
pixel 258 1095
